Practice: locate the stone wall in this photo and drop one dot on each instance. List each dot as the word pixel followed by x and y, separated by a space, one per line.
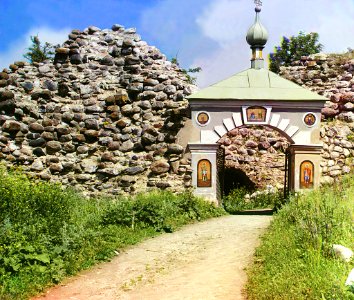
pixel 103 116
pixel 258 152
pixel 328 75
pixel 331 76
pixel 106 114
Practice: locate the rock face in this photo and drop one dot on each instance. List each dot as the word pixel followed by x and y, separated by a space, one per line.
pixel 103 117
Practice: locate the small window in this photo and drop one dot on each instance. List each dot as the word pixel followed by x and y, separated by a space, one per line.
pixel 204 173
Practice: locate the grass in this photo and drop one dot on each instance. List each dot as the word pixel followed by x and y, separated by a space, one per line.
pixel 295 259
pixel 237 201
pixel 48 233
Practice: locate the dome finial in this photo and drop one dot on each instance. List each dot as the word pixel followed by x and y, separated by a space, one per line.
pixel 257 37
pixel 258 5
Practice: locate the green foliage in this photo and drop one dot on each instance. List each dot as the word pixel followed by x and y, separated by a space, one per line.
pixel 296 260
pixel 237 201
pixel 38 52
pixel 48 233
pixel 162 211
pixel 190 79
pixel 291 49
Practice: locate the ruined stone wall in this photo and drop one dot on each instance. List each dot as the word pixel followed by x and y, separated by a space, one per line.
pixel 331 76
pixel 103 117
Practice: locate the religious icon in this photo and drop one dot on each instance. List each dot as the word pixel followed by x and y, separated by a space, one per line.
pixel 306 175
pixel 256 114
pixel 203 118
pixel 204 173
pixel 310 119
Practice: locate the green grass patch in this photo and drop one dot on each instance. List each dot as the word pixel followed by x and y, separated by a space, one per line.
pixel 295 259
pixel 239 200
pixel 48 233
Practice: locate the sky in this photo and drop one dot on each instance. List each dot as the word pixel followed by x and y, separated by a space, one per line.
pixel 201 33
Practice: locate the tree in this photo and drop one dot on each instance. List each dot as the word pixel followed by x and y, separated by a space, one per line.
pixel 291 49
pixel 190 79
pixel 38 52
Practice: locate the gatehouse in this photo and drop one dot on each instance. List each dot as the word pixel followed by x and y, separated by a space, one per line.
pixel 255 96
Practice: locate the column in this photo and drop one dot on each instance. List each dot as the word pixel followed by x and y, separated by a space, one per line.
pixel 205 173
pixel 304 167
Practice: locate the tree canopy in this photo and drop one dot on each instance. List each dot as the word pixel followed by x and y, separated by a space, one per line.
pixel 38 52
pixel 291 49
pixel 190 79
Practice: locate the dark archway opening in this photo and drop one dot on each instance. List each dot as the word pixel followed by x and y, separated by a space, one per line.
pixel 237 179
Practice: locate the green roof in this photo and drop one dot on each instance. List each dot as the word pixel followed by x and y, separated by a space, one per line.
pixel 256 84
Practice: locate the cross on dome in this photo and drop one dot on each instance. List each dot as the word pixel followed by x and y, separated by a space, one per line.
pixel 258 5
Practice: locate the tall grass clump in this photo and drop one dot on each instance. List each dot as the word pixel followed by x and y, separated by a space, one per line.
pixel 48 233
pixel 295 259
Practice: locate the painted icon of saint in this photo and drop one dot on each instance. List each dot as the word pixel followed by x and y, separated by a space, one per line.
pixel 307 175
pixel 204 172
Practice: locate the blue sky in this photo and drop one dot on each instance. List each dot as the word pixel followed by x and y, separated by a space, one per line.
pixel 206 33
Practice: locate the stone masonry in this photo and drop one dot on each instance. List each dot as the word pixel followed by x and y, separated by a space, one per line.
pixel 103 116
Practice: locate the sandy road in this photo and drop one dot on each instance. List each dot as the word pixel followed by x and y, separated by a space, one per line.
pixel 202 261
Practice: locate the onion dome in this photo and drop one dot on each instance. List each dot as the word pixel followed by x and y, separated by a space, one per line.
pixel 257 35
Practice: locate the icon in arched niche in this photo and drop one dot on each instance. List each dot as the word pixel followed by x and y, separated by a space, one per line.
pixel 203 118
pixel 204 173
pixel 310 119
pixel 256 114
pixel 306 174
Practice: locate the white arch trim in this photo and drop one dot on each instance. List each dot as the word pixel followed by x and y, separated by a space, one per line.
pixel 228 124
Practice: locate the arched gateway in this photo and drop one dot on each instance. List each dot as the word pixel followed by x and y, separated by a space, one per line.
pixel 256 97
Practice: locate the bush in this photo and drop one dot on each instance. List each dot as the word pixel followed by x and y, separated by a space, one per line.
pixel 48 233
pixel 291 49
pixel 295 260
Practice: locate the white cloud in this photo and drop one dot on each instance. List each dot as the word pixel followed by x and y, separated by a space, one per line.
pixel 227 21
pixel 17 48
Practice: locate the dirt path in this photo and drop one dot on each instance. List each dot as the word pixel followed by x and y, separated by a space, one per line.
pixel 201 261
